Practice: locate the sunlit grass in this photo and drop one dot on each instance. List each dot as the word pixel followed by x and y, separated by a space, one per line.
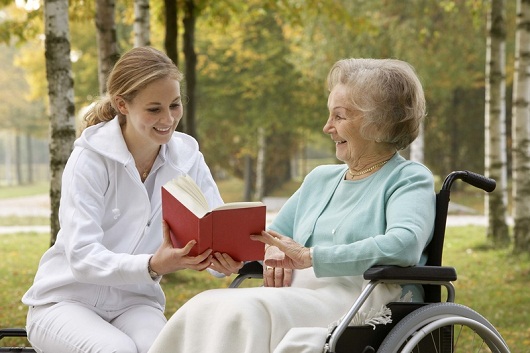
pixel 24 221
pixel 493 282
pixel 232 189
pixel 41 187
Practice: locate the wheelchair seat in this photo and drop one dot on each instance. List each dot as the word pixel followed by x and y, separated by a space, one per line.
pixel 14 332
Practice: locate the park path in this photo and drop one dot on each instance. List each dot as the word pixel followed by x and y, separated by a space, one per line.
pixel 39 206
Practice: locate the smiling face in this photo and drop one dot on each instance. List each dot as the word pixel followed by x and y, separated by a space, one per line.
pixel 152 115
pixel 343 125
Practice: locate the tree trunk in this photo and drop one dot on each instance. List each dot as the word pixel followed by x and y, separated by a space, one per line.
pixel 191 63
pixel 521 131
pixel 141 23
pixel 260 165
pixel 8 160
pixel 172 30
pixel 18 160
pixel 495 124
pixel 247 175
pixel 106 40
pixel 61 98
pixel 417 146
pixel 171 38
pixel 29 158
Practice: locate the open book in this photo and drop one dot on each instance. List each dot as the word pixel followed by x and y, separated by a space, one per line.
pixel 224 229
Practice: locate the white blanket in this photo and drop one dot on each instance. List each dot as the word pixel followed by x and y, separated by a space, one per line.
pixel 265 320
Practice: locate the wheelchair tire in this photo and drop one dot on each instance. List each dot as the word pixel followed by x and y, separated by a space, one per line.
pixel 443 327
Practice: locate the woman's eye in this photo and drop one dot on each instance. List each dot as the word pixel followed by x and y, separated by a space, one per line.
pixel 175 105
pixel 153 110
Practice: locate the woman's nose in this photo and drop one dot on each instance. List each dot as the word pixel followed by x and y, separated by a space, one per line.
pixel 168 116
pixel 327 127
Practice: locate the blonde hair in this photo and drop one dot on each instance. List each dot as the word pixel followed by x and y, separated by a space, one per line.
pixel 132 72
pixel 389 95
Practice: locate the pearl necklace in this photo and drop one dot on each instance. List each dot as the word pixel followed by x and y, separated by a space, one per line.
pixel 367 170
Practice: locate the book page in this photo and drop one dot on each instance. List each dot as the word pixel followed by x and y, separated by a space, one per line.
pixel 242 204
pixel 189 194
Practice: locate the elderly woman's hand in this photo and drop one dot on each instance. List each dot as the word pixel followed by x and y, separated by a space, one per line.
pixel 275 276
pixel 296 255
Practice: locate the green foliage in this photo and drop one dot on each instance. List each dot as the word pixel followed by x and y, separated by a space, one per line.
pixel 18 24
pixel 264 63
pixel 18 110
pixel 247 81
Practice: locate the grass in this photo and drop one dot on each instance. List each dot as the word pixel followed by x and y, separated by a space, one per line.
pixel 41 187
pixel 491 281
pixel 232 189
pixel 24 221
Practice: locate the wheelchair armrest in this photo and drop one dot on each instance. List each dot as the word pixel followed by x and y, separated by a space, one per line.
pixel 413 273
pixel 417 273
pixel 251 268
pixel 12 332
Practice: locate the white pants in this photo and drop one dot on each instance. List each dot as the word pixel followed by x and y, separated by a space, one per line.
pixel 69 327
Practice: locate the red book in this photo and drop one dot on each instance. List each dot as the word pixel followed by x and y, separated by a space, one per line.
pixel 225 229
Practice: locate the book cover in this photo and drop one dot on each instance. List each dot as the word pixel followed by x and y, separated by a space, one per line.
pixel 225 229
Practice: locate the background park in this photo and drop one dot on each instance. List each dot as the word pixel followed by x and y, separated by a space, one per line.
pixel 256 101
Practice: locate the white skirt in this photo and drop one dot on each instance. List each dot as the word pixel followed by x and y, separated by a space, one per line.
pixel 265 320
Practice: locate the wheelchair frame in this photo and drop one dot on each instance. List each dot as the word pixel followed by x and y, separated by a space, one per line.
pixel 419 320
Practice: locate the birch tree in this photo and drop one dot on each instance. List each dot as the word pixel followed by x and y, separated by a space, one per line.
pixel 141 23
pixel 61 98
pixel 106 39
pixel 495 123
pixel 190 15
pixel 417 146
pixel 521 131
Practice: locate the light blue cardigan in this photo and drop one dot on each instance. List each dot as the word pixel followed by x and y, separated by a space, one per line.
pixel 390 223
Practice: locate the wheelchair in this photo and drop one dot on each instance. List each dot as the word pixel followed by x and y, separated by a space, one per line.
pixel 433 326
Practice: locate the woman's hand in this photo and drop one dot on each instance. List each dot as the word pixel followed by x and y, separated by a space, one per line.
pixel 276 276
pixel 223 263
pixel 295 256
pixel 168 259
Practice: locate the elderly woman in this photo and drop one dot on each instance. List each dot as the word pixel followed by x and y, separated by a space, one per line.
pixel 375 209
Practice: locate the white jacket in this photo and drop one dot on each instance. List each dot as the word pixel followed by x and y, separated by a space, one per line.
pixel 109 227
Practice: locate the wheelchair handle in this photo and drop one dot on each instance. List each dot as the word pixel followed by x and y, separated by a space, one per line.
pixel 477 180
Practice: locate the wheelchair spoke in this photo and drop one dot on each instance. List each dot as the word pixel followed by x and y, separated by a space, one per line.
pixel 443 328
pixel 468 340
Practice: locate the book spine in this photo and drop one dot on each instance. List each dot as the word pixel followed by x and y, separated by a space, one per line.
pixel 185 226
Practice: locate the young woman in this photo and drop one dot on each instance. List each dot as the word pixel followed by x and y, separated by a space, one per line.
pixel 97 289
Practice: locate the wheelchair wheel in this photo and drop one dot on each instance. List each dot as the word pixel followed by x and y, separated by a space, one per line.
pixel 444 327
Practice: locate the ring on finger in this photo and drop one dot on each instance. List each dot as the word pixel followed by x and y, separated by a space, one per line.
pixel 269 268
